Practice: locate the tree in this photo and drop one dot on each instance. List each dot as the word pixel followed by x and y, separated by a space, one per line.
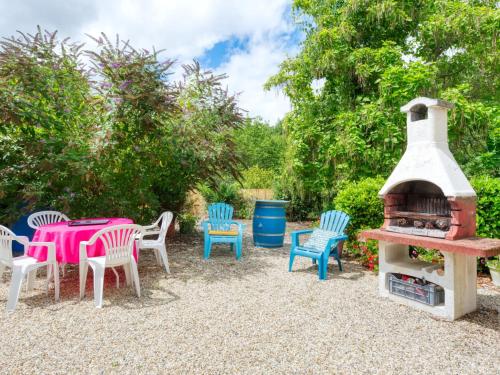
pixel 117 138
pixel 374 56
pixel 259 144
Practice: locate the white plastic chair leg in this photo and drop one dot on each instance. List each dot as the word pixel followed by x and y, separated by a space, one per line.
pixel 117 278
pixel 2 270
pixel 56 281
pixel 63 269
pixel 135 275
pixel 98 285
pixel 15 288
pixel 49 275
pixel 157 255
pixel 47 282
pixel 84 267
pixel 128 277
pixel 163 253
pixel 30 280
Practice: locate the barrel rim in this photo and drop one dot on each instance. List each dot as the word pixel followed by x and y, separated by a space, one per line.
pixel 281 202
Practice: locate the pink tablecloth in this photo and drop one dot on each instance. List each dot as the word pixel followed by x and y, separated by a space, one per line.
pixel 67 240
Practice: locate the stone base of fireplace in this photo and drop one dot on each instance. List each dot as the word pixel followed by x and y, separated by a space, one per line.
pixel 459 277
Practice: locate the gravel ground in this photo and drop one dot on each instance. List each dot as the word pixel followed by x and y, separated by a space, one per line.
pixel 223 316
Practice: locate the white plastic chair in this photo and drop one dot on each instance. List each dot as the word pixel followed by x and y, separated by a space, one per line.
pixel 24 265
pixel 38 219
pixel 118 242
pixel 158 244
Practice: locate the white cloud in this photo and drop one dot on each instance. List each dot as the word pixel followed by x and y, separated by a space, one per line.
pixel 184 28
pixel 248 71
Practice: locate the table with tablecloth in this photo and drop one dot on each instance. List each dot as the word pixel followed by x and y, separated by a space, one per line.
pixel 67 240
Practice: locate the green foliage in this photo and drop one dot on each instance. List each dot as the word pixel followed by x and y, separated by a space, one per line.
pixel 46 121
pixel 351 128
pixel 227 191
pixel 360 200
pixel 260 145
pixel 187 223
pixel 494 264
pixel 488 206
pixel 258 178
pixel 115 139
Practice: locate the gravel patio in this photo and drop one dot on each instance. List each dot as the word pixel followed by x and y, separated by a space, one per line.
pixel 223 316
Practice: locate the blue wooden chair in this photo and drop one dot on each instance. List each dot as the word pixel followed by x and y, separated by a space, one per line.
pixel 323 241
pixel 218 229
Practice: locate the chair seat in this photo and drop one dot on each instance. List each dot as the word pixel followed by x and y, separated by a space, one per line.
pixel 223 232
pixel 146 244
pixel 100 261
pixel 309 249
pixel 25 261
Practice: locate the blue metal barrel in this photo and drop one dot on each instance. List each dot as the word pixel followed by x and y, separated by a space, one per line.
pixel 269 223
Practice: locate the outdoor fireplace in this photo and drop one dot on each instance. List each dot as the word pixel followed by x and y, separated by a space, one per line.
pixel 429 203
pixel 427 194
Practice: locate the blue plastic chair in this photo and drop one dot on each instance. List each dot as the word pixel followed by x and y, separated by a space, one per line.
pixel 323 242
pixel 218 229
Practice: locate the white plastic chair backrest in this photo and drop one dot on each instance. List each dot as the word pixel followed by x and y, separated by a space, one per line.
pixel 46 217
pixel 6 238
pixel 166 219
pixel 118 241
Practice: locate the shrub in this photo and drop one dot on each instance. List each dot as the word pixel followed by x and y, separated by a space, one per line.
pixel 187 222
pixel 360 200
pixel 488 206
pixel 115 139
pixel 226 192
pixel 258 178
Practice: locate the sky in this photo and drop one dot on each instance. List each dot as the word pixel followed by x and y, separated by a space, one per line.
pixel 245 39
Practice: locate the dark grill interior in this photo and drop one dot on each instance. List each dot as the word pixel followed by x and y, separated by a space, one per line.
pixel 418 207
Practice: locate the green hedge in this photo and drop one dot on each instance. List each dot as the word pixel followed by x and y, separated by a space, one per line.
pixel 488 205
pixel 360 200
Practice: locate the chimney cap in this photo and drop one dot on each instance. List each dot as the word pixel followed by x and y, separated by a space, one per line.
pixel 428 102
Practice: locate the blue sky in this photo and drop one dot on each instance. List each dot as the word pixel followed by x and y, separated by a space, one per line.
pixel 222 51
pixel 247 40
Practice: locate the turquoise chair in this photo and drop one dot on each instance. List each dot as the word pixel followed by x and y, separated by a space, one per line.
pixel 218 229
pixel 322 243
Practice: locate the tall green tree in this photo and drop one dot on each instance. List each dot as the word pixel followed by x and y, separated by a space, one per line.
pixel 260 145
pixel 372 57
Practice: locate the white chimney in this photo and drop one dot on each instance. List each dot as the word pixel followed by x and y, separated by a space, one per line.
pixel 427 156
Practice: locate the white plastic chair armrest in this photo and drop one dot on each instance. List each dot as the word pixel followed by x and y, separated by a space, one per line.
pixel 23 240
pixel 241 226
pixel 51 249
pixel 83 251
pixel 151 227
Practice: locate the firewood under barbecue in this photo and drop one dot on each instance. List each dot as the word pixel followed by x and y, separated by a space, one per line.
pixel 429 225
pixel 442 224
pixel 418 224
pixel 402 222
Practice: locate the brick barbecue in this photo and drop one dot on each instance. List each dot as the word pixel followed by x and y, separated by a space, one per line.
pixel 427 194
pixel 429 202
